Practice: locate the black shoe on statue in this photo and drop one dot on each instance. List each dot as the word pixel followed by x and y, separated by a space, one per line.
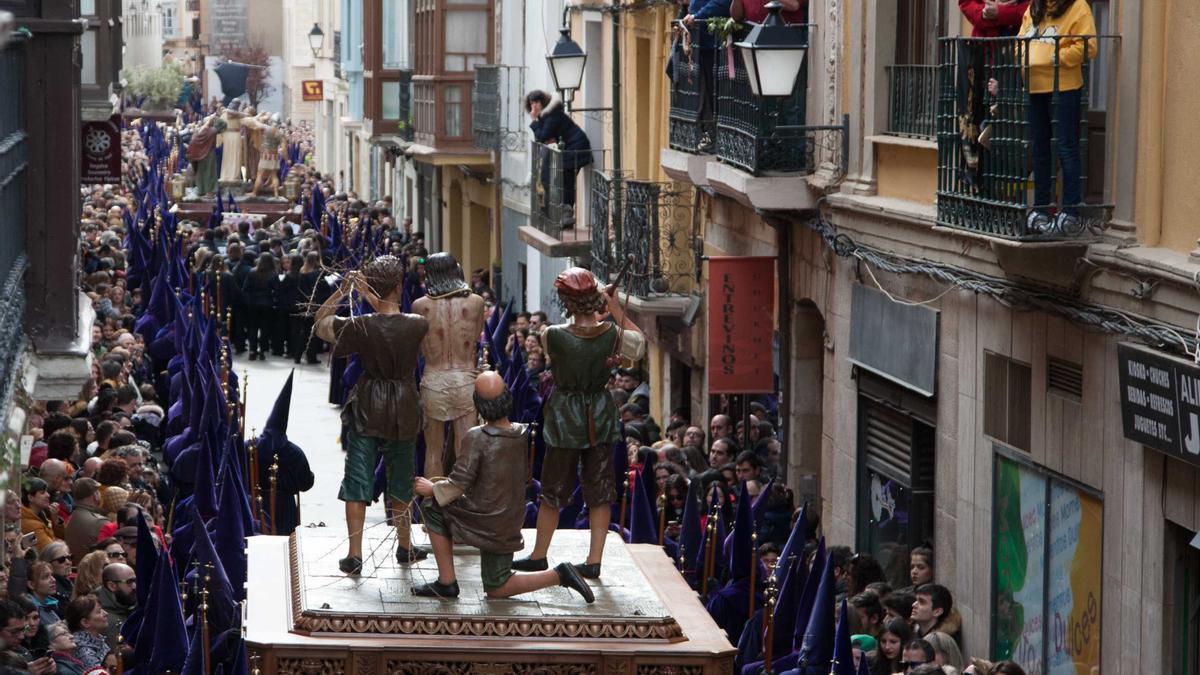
pixel 568 576
pixel 531 565
pixel 405 556
pixel 436 589
pixel 350 565
pixel 589 570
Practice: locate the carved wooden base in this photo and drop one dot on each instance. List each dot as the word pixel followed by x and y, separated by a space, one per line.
pixel 449 617
pixel 275 646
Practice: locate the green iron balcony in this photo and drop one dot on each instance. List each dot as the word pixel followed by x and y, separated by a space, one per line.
pixel 651 227
pixel 497 125
pixel 991 130
pixel 557 225
pixel 912 101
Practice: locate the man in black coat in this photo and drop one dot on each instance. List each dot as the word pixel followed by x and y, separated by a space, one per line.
pixel 553 126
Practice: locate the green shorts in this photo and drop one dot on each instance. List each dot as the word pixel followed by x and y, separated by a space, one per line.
pixel 494 568
pixel 362 456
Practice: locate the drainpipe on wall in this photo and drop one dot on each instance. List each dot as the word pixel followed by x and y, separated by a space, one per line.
pixel 618 221
pixel 783 244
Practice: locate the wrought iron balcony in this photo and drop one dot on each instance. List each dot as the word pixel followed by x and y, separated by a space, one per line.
pixel 554 199
pixel 685 126
pixel 337 55
pixel 988 141
pixel 485 107
pixel 496 124
pixel 13 164
pixel 912 101
pixel 762 136
pixel 405 125
pixel 652 226
pixel 604 222
pixel 661 233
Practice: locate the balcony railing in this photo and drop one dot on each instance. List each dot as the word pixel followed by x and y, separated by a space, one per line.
pixel 760 135
pixel 912 101
pixel 13 149
pixel 555 192
pixel 497 124
pixel 13 163
pixel 485 105
pixel 763 136
pixel 405 125
pixel 685 126
pixel 604 222
pixel 988 142
pixel 661 234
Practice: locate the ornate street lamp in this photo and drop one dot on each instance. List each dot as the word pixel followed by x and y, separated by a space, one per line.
pixel 566 63
pixel 316 39
pixel 773 53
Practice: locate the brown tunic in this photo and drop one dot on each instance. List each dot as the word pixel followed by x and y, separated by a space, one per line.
pixel 384 402
pixel 484 496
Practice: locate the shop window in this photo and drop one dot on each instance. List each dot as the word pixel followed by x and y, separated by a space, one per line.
pixel 1181 601
pixel 895 476
pixel 1006 400
pixel 1047 545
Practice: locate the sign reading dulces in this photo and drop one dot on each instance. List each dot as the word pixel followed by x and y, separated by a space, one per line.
pixel 1160 401
pixel 741 325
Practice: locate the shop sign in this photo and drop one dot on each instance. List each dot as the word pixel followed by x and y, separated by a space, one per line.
pixel 313 90
pixel 741 325
pixel 895 341
pixel 1160 401
pixel 101 156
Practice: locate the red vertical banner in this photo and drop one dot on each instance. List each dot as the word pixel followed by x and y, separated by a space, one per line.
pixel 741 325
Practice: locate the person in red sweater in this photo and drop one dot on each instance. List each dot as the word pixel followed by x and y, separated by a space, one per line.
pixel 993 18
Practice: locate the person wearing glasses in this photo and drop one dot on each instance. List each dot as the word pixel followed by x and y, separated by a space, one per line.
pixel 86 520
pixel 916 653
pixel 58 556
pixel 12 632
pixel 63 650
pixel 118 597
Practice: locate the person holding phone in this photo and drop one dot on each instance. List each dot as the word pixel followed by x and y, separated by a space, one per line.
pixel 12 632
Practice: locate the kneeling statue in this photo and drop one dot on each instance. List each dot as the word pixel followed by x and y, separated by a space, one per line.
pixel 482 504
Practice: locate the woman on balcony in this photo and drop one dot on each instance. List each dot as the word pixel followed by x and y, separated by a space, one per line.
pixel 552 125
pixel 1057 31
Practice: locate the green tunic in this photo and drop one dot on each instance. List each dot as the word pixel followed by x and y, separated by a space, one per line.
pixel 579 360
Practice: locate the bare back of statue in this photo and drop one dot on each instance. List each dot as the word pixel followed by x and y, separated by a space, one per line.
pixel 454 327
pixel 450 354
pixel 448 381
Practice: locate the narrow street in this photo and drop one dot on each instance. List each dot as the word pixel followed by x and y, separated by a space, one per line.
pixel 313 425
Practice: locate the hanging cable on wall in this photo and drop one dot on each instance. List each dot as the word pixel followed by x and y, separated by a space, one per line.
pixel 1108 319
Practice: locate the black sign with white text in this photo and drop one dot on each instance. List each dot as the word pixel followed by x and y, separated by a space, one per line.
pixel 1160 401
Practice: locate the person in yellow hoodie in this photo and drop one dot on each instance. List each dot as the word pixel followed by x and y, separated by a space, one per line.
pixel 1057 32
